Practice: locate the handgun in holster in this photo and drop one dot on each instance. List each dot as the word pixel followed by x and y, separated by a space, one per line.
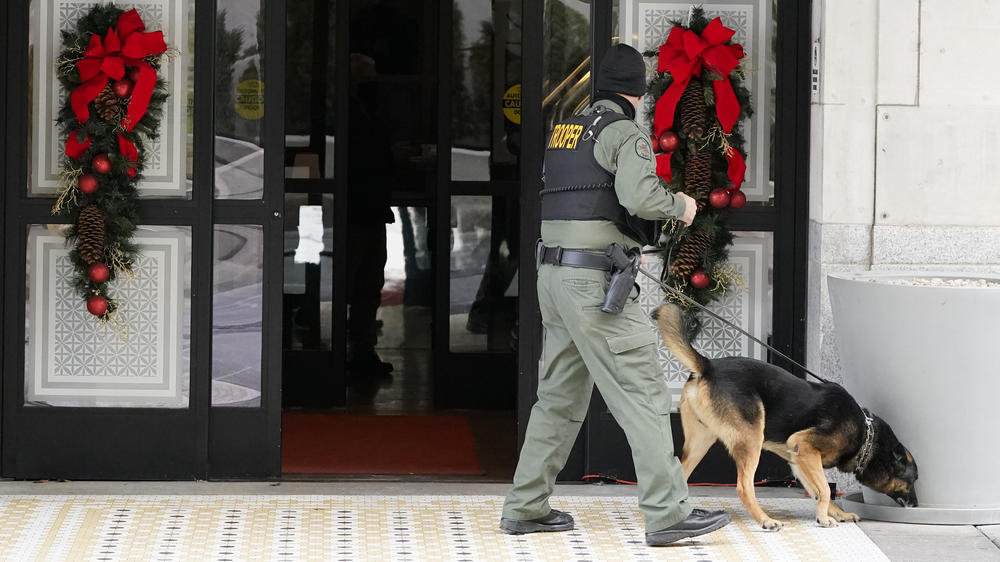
pixel 625 268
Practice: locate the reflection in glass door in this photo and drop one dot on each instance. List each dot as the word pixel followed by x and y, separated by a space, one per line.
pixel 312 268
pixel 479 343
pixel 401 211
pixel 359 287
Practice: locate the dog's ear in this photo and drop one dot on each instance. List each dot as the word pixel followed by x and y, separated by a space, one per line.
pixel 899 454
pixel 900 457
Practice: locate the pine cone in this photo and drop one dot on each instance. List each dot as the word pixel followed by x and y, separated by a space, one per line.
pixel 692 106
pixel 90 234
pixel 107 104
pixel 691 253
pixel 698 175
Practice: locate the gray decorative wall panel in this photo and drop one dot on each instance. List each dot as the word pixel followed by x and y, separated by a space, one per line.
pixel 165 172
pixel 73 360
pixel 751 255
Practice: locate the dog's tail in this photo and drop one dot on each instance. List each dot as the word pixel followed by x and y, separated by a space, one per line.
pixel 671 325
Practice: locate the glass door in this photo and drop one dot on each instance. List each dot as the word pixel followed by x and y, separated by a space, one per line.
pixel 768 250
pixel 180 384
pixel 401 244
pixel 85 398
pixel 361 177
pixel 481 212
pixel 400 258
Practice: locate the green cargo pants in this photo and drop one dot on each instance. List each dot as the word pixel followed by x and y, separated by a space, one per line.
pixel 583 347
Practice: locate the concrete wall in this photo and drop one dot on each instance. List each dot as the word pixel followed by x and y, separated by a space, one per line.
pixel 905 132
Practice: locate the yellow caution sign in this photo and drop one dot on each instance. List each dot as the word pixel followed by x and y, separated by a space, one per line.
pixel 250 99
pixel 512 104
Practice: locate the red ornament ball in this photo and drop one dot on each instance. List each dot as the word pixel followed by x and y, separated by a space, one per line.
pixel 97 305
pixel 101 164
pixel 669 141
pixel 98 272
pixel 87 183
pixel 737 199
pixel 122 88
pixel 699 280
pixel 719 198
pixel 133 74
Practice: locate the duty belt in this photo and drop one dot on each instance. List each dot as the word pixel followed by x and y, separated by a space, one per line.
pixel 558 255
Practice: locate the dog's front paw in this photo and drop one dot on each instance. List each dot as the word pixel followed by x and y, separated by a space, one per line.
pixel 848 516
pixel 841 515
pixel 845 516
pixel 826 521
pixel 769 524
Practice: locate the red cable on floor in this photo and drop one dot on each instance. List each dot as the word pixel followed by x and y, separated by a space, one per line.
pixel 599 477
pixel 711 484
pixel 758 483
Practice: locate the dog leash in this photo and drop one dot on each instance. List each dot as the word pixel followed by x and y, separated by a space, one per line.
pixel 703 308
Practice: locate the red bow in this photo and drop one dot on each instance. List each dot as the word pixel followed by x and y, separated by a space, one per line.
pixel 737 167
pixel 663 166
pixel 130 152
pixel 75 148
pixel 125 46
pixel 683 56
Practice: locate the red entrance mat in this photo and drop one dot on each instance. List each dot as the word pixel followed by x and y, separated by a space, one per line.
pixel 371 444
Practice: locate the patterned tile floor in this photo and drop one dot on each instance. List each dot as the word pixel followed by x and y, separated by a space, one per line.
pixel 389 528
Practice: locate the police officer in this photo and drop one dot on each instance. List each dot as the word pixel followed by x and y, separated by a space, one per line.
pixel 601 188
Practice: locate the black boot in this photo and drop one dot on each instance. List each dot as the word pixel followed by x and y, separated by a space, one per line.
pixel 698 523
pixel 367 362
pixel 555 521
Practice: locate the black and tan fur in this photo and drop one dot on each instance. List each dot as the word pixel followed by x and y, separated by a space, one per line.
pixel 750 405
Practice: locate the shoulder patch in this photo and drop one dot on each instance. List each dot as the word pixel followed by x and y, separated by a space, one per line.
pixel 643 149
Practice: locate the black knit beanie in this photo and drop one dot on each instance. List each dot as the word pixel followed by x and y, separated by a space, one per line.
pixel 622 71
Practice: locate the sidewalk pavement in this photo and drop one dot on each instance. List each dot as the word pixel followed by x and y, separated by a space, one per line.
pixel 605 511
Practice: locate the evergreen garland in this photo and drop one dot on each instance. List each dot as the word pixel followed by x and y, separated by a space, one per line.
pixel 703 247
pixel 115 199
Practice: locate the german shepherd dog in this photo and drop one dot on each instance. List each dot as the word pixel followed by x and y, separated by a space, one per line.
pixel 751 405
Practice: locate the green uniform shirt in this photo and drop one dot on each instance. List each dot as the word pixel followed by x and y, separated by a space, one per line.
pixel 619 150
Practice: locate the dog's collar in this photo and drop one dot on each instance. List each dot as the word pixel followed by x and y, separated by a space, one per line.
pixel 868 447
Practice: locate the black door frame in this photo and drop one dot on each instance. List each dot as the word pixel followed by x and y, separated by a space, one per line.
pixel 601 446
pixel 245 442
pixel 529 318
pixel 3 191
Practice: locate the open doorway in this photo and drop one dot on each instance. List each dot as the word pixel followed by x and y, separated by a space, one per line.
pixel 399 336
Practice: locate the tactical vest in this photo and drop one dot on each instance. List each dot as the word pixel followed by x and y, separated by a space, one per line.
pixel 577 187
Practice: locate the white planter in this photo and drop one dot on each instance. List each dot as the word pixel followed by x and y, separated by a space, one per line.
pixel 925 359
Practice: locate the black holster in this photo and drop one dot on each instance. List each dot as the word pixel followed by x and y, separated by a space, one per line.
pixel 625 268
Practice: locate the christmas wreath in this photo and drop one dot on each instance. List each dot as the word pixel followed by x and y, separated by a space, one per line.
pixel 114 104
pixel 696 129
